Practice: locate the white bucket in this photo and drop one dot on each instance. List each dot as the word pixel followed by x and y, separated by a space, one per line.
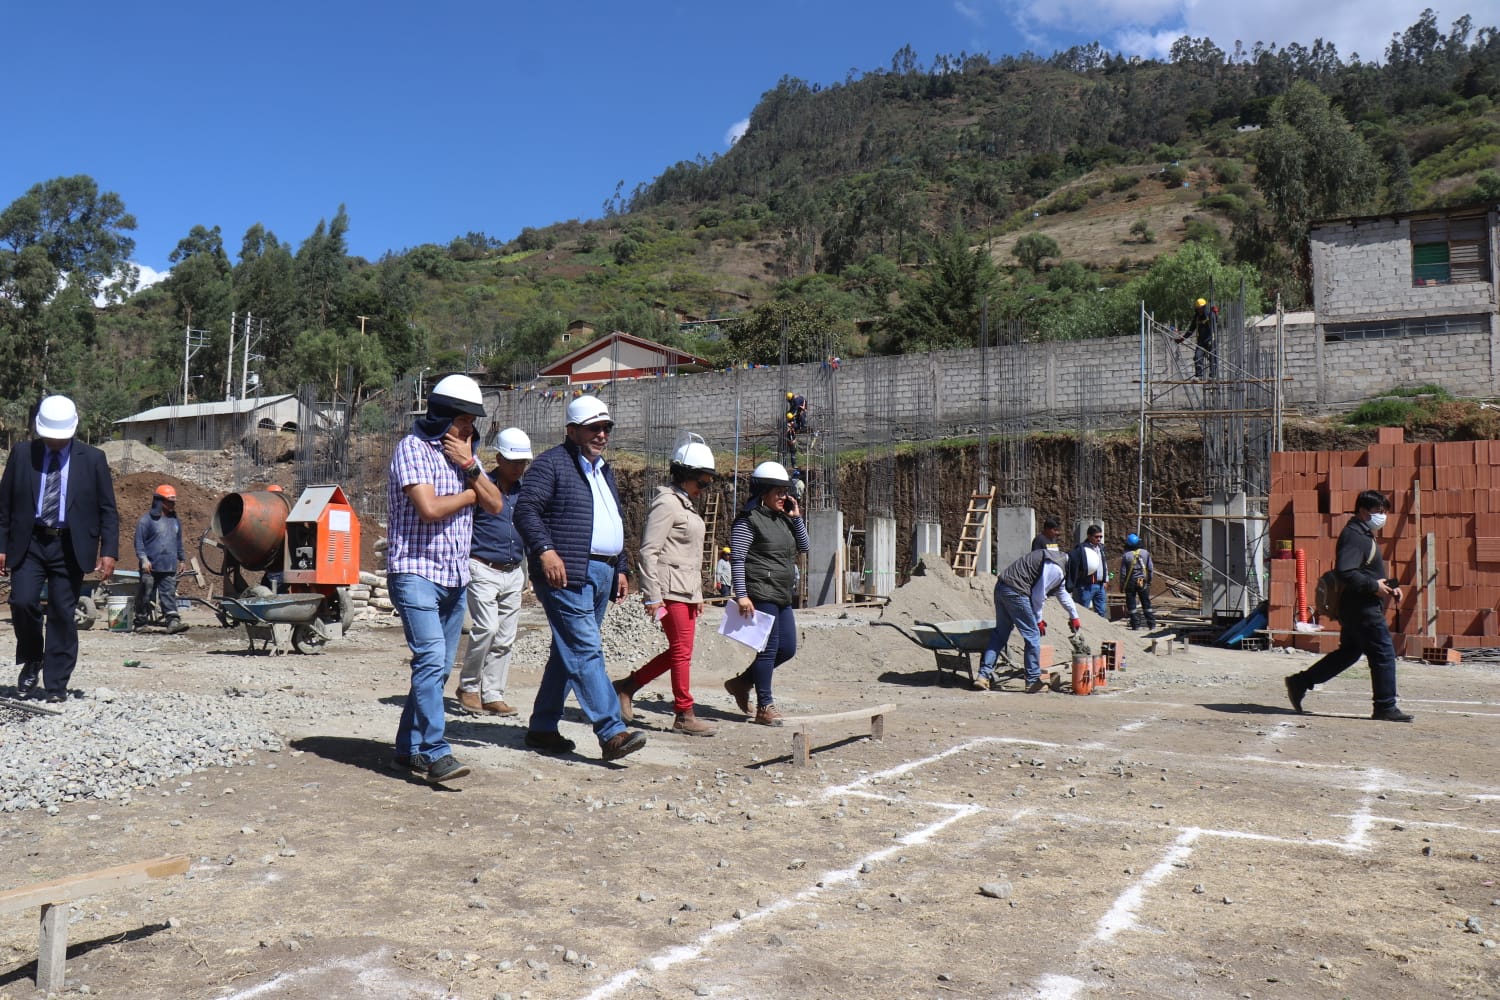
pixel 121 612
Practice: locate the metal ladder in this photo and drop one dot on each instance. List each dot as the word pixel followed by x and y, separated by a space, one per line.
pixel 976 523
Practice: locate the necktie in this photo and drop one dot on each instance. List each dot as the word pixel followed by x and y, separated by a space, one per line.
pixel 52 491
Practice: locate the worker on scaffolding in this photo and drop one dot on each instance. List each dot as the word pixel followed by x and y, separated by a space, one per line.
pixel 796 405
pixel 1204 330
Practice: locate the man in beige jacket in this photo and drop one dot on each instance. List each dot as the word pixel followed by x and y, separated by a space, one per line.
pixel 671 576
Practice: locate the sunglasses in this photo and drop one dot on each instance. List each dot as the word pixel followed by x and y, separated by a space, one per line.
pixel 606 426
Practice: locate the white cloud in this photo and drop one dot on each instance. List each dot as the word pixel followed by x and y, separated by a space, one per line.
pixel 1148 27
pixel 145 277
pixel 968 12
pixel 736 131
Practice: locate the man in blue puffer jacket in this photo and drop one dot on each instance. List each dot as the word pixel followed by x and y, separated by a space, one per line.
pixel 568 514
pixel 158 549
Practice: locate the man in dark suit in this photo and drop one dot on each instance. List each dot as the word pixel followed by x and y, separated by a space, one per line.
pixel 57 522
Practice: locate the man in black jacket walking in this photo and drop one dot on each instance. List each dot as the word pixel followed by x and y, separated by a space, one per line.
pixel 1361 613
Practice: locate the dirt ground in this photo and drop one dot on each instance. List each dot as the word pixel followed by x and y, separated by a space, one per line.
pixel 1182 834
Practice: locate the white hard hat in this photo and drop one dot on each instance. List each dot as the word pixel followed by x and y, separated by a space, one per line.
pixel 513 443
pixel 56 418
pixel 587 410
pixel 458 392
pixel 694 455
pixel 769 474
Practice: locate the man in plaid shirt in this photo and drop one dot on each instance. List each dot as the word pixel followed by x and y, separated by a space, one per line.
pixel 434 483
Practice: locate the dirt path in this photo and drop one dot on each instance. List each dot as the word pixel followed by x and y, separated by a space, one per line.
pixel 1181 835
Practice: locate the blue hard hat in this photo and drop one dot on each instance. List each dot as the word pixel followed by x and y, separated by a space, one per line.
pixel 1132 539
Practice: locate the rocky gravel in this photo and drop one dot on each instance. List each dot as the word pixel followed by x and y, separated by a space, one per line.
pixel 113 746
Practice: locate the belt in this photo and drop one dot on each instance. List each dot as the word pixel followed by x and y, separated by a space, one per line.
pixel 599 558
pixel 46 532
pixel 504 567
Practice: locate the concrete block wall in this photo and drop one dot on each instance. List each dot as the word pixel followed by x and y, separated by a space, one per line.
pixel 1057 376
pixel 1363 272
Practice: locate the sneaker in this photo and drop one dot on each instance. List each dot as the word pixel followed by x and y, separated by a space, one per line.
pixel 549 742
pixel 445 769
pixel 1295 693
pixel 981 683
pixel 176 626
pixel 415 765
pixel 1036 687
pixel 689 724
pixel 739 688
pixel 1392 714
pixel 60 697
pixel 498 708
pixel 468 701
pixel 27 681
pixel 767 715
pixel 623 745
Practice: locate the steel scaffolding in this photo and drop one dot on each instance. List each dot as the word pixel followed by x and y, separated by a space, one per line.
pixel 1237 411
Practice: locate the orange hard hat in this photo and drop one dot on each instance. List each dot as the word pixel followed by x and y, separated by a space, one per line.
pixel 273 488
pixel 166 492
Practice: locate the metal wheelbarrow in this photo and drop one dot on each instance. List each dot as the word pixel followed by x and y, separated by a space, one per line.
pixel 953 644
pixel 279 621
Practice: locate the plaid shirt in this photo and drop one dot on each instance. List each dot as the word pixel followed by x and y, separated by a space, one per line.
pixel 434 550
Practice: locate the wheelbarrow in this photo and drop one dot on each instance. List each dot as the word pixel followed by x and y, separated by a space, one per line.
pixel 954 643
pixel 279 621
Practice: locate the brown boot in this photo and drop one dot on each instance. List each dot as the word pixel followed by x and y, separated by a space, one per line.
pixel 766 715
pixel 740 689
pixel 626 687
pixel 691 725
pixel 469 702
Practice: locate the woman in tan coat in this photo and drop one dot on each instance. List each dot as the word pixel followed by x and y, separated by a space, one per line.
pixel 671 572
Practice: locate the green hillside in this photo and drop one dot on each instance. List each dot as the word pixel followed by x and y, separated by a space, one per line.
pixel 884 210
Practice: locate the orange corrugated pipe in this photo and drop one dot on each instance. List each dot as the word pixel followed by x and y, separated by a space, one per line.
pixel 1302 615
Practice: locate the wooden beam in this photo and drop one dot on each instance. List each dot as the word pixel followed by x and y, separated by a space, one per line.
pixel 63 890
pixel 857 713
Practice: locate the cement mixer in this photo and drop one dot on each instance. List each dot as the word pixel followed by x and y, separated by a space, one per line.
pixel 308 552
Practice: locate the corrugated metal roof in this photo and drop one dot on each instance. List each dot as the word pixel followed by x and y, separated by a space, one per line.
pixel 226 406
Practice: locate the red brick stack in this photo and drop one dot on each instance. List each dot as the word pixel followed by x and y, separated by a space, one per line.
pixel 1313 494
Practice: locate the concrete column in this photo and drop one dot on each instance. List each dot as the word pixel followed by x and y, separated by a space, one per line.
pixel 1014 528
pixel 927 539
pixel 880 556
pixel 825 558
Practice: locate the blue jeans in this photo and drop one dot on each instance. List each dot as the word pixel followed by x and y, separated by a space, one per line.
pixel 575 613
pixel 432 616
pixel 1013 611
pixel 1093 595
pixel 780 647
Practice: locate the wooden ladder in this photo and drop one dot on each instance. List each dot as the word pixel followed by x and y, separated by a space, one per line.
pixel 710 533
pixel 976 523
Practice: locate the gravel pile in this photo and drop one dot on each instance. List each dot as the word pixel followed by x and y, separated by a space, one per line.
pixel 110 745
pixel 629 638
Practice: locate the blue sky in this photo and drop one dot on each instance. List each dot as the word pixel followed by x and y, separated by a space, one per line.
pixel 429 120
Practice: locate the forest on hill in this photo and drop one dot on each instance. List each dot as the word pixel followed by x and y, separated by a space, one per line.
pixel 891 212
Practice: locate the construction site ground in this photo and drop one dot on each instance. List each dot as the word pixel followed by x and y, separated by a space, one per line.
pixel 1181 834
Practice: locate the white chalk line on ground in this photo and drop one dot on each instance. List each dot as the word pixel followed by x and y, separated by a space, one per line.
pixel 664 960
pixel 1120 916
pixel 370 971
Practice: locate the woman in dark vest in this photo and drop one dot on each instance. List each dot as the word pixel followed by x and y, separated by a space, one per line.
pixel 764 544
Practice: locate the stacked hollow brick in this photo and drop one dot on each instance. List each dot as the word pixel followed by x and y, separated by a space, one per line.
pixel 1313 494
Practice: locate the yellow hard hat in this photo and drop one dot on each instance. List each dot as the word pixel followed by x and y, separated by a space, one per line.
pixel 725 550
pixel 1202 302
pixel 789 395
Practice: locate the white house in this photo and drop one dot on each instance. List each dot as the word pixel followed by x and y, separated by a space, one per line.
pixel 200 426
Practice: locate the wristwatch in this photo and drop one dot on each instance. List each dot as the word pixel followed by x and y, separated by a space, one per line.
pixel 473 469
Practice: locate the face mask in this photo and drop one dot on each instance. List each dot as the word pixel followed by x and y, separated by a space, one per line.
pixel 1377 520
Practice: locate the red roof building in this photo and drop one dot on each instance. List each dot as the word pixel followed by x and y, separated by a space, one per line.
pixel 622 355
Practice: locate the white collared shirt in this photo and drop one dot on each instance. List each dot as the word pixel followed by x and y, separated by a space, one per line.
pixel 609 529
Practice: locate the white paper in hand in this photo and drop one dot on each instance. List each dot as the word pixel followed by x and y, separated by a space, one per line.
pixel 752 631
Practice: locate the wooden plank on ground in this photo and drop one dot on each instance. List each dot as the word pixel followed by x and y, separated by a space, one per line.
pixel 802 738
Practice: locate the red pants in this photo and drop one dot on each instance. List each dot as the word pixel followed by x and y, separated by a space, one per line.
pixel 679 625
